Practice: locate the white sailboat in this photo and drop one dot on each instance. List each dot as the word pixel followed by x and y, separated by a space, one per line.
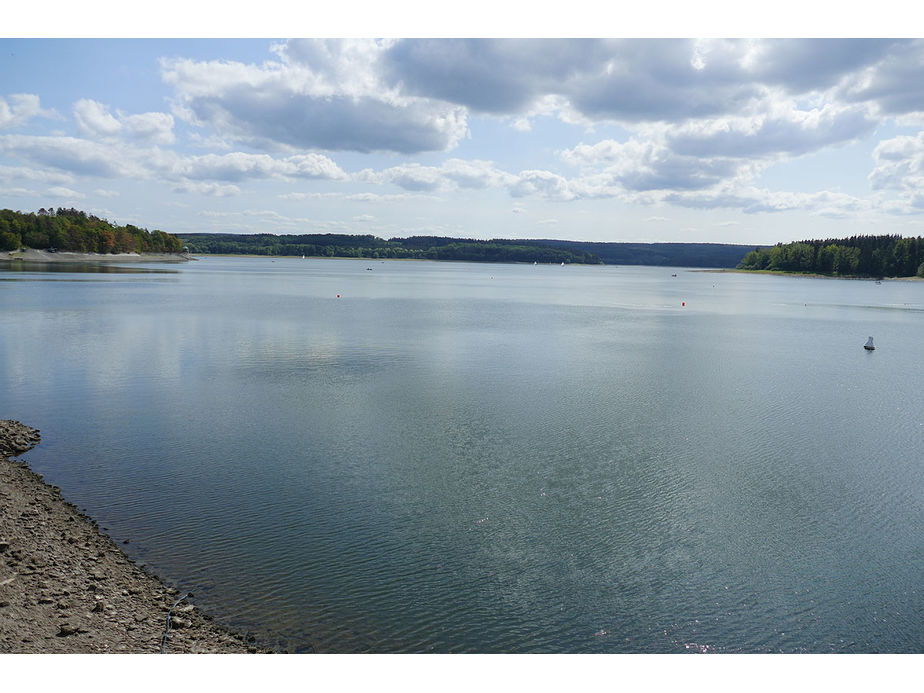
pixel 869 344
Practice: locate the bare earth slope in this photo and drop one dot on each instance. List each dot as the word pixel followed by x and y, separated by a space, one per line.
pixel 67 588
pixel 32 256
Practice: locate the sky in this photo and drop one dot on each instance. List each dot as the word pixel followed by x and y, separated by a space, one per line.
pixel 751 141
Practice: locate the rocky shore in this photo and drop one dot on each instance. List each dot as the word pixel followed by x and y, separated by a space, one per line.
pixel 33 256
pixel 67 588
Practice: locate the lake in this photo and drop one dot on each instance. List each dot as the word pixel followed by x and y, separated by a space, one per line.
pixel 362 456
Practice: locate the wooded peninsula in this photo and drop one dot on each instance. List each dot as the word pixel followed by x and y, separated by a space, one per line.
pixel 71 230
pixel 857 256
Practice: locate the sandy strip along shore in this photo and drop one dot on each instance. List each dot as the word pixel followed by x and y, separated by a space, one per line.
pixel 67 588
pixel 32 256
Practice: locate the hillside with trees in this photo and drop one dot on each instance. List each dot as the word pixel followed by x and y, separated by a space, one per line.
pixel 495 250
pixel 713 255
pixel 857 256
pixel 74 231
pixel 416 247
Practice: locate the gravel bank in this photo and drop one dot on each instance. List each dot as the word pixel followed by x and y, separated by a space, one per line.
pixel 67 588
pixel 32 256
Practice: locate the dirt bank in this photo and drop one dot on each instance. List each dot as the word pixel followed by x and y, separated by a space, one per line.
pixel 67 588
pixel 32 256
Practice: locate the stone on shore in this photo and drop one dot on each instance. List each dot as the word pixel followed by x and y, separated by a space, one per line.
pixel 65 587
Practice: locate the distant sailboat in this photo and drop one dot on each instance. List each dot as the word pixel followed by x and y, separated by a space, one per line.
pixel 869 344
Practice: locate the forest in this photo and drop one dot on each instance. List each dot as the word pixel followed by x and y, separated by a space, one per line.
pixel 416 247
pixel 495 250
pixel 713 255
pixel 74 231
pixel 857 256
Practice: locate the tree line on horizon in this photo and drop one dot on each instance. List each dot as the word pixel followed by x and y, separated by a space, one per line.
pixel 72 230
pixel 368 246
pixel 857 256
pixel 446 248
pixel 77 231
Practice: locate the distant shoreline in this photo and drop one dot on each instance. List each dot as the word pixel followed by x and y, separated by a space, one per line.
pixel 32 256
pixel 810 275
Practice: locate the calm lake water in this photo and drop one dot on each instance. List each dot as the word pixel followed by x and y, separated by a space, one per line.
pixel 491 458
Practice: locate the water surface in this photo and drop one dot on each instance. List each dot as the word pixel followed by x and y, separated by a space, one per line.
pixel 459 457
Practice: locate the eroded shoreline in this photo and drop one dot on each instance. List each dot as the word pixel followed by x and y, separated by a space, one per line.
pixel 44 257
pixel 65 587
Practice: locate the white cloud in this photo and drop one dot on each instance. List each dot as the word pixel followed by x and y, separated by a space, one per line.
pixel 456 174
pixel 322 94
pixel 19 110
pixel 153 128
pixel 751 200
pixel 893 83
pixel 238 166
pixel 19 192
pixel 637 80
pixel 712 162
pixel 11 173
pixel 475 174
pixel 779 128
pixel 373 197
pixel 209 189
pixel 899 163
pixel 641 165
pixel 522 124
pixel 899 169
pixel 544 183
pixel 66 193
pixel 73 155
pixel 271 221
pixel 58 159
pixel 356 197
pixel 408 176
pixel 95 121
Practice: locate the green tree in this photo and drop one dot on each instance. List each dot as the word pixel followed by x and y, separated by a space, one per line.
pixel 9 240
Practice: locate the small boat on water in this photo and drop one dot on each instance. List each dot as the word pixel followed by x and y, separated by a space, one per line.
pixel 869 345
